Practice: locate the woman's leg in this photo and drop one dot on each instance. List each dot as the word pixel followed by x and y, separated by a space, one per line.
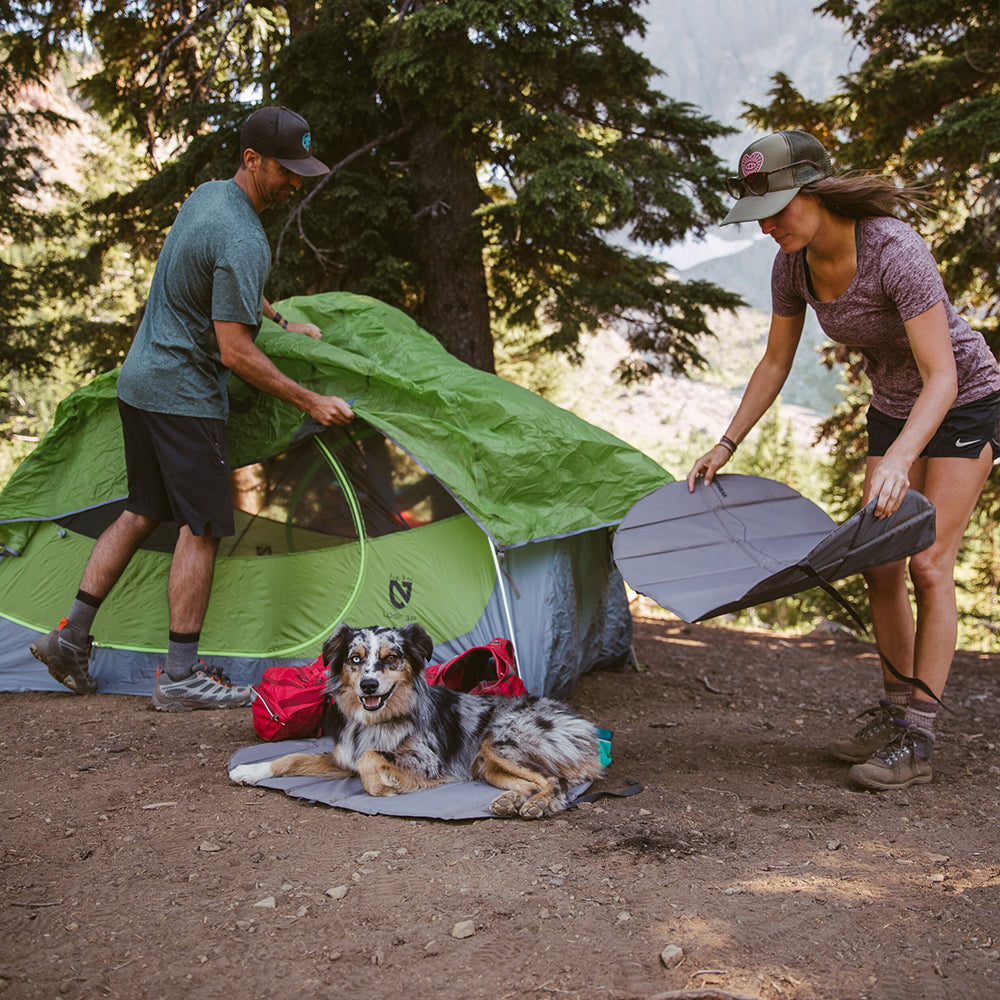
pixel 895 634
pixel 926 648
pixel 954 486
pixel 888 596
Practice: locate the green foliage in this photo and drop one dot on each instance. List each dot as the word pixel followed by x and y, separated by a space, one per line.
pixel 22 217
pixel 163 63
pixel 772 453
pixel 93 293
pixel 557 144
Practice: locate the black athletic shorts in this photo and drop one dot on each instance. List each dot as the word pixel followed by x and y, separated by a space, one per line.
pixel 962 434
pixel 178 470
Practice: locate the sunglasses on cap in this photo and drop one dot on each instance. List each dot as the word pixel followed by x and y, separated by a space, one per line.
pixel 756 183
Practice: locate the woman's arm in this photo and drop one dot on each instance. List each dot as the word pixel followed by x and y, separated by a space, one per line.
pixel 766 382
pixel 930 342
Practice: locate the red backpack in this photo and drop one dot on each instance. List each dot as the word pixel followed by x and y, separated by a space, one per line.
pixel 485 669
pixel 289 702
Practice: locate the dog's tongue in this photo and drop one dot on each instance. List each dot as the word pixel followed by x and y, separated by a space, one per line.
pixel 372 702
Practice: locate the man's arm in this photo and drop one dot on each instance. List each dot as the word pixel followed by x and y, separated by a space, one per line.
pixel 309 329
pixel 240 355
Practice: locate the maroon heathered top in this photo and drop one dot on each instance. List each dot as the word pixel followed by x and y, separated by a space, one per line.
pixel 897 278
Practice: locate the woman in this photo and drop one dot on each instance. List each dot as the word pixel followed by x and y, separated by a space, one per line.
pixel 874 286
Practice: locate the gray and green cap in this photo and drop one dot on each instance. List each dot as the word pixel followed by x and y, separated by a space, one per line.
pixel 771 172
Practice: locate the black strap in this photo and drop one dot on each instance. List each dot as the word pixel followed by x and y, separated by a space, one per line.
pixel 594 796
pixel 834 593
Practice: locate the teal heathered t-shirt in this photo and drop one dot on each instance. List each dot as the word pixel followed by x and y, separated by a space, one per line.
pixel 213 266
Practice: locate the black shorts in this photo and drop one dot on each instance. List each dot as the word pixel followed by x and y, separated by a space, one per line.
pixel 962 434
pixel 178 470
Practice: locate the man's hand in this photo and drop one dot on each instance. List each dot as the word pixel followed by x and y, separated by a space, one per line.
pixel 329 410
pixel 309 329
pixel 240 355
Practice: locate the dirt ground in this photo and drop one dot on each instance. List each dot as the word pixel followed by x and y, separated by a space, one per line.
pixel 746 866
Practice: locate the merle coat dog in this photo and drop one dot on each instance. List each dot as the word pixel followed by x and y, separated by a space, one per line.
pixel 400 734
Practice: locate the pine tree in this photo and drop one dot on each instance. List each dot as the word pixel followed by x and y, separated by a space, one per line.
pixel 495 166
pixel 22 217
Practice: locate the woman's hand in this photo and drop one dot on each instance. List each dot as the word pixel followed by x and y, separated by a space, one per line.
pixel 761 391
pixel 889 482
pixel 708 465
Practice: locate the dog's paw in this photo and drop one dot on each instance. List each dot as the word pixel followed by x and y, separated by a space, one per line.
pixel 390 780
pixel 383 781
pixel 378 777
pixel 533 809
pixel 507 804
pixel 250 774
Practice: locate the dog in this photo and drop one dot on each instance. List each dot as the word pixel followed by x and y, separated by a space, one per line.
pixel 400 734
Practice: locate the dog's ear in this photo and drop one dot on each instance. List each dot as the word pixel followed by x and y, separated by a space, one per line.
pixel 335 648
pixel 417 641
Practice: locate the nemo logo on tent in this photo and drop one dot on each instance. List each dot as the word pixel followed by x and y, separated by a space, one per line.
pixel 399 593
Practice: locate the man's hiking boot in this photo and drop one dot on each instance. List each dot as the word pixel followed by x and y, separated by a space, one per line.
pixel 207 687
pixel 872 736
pixel 903 761
pixel 67 663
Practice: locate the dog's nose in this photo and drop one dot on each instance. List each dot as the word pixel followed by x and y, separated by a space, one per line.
pixel 369 685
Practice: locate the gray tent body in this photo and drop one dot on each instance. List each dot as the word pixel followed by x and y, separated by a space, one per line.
pixel 568 607
pixel 743 541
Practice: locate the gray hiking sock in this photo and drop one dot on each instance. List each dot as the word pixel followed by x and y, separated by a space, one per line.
pixel 898 694
pixel 182 655
pixel 922 713
pixel 80 620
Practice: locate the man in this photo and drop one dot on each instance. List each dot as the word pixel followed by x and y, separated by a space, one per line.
pixel 203 312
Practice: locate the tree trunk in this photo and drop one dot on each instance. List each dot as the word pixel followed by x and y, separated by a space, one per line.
pixel 449 248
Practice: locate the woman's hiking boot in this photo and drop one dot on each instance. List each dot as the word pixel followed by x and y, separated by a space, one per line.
pixel 903 761
pixel 875 733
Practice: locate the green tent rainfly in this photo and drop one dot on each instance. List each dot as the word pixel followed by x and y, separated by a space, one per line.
pixel 456 498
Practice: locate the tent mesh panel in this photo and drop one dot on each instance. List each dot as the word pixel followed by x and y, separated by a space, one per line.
pixel 293 502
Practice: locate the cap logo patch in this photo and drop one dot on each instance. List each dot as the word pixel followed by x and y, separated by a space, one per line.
pixel 306 140
pixel 751 163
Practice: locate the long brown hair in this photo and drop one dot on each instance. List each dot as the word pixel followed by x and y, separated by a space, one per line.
pixel 859 195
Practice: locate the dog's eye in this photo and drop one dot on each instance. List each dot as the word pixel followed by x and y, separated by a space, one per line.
pixel 356 659
pixel 391 658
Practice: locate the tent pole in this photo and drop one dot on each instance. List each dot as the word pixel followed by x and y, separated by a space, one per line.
pixel 506 606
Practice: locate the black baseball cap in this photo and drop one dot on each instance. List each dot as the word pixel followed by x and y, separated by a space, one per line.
pixel 785 162
pixel 284 136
